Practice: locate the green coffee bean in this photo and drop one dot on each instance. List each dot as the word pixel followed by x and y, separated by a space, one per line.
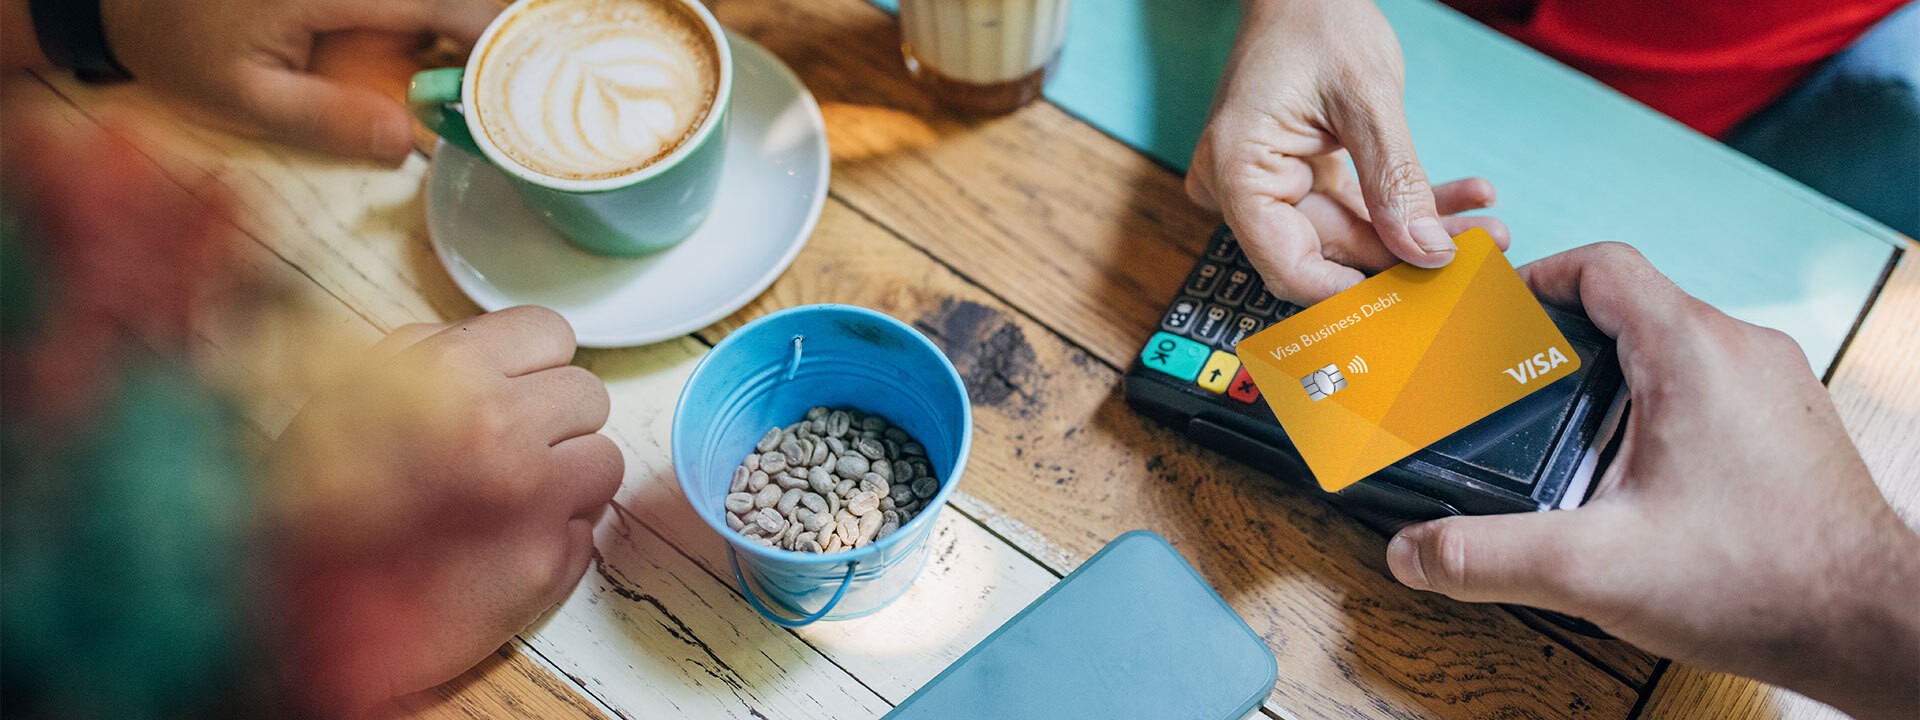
pixel 851 466
pixel 817 521
pixel 834 480
pixel 820 481
pixel 863 503
pixel 770 522
pixel 788 501
pixel 767 496
pixel 773 462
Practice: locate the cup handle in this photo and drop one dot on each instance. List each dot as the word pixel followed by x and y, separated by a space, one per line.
pixel 432 96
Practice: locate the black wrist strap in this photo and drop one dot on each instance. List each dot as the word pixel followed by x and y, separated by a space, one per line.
pixel 72 35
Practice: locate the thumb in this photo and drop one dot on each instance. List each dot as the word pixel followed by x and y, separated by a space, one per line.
pixel 1525 558
pixel 1399 198
pixel 327 116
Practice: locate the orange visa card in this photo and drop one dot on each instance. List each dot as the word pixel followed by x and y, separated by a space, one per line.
pixel 1405 358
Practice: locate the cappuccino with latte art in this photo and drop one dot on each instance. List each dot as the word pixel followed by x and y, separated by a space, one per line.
pixel 594 89
pixel 609 117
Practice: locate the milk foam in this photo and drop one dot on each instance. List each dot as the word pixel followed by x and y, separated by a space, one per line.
pixel 586 89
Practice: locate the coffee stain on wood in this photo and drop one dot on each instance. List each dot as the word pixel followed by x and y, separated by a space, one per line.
pixel 991 354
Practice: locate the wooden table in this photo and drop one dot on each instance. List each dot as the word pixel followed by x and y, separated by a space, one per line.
pixel 1038 253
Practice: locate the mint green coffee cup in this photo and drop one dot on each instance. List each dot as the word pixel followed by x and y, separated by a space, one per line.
pixel 637 213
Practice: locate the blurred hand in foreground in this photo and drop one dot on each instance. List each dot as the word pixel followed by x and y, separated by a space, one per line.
pixel 326 75
pixel 445 496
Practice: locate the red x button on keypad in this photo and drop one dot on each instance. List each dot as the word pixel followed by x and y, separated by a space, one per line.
pixel 1243 388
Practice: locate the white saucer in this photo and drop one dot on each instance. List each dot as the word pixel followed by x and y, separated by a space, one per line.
pixel 773 184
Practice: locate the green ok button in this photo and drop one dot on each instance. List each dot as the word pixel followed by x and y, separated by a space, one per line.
pixel 1175 355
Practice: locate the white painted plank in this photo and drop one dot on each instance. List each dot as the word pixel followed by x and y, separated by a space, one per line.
pixel 973 583
pixel 648 633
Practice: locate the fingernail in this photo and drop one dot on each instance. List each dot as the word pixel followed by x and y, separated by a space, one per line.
pixel 1430 236
pixel 1403 558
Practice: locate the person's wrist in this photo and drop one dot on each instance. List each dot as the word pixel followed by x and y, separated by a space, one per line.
pixel 1868 663
pixel 1893 624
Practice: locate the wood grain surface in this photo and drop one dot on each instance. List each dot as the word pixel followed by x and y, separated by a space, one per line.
pixel 1057 448
pixel 1073 228
pixel 1038 253
pixel 510 684
pixel 647 603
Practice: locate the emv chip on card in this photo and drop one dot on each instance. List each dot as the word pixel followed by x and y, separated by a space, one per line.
pixel 1405 358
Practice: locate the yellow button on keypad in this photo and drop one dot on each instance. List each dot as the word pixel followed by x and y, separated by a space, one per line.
pixel 1218 372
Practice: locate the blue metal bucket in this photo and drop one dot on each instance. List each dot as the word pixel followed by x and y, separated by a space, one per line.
pixel 768 374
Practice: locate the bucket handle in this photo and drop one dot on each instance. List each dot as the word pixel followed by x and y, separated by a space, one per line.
pixel 746 589
pixel 793 364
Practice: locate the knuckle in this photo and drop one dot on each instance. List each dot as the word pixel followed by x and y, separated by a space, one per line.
pixel 581 383
pixel 1615 264
pixel 1718 338
pixel 1618 253
pixel 583 380
pixel 1447 570
pixel 539 318
pixel 1403 177
pixel 607 461
pixel 1403 185
pixel 489 426
pixel 1773 343
pixel 540 566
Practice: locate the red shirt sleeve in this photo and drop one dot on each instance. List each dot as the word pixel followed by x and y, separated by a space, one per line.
pixel 1706 63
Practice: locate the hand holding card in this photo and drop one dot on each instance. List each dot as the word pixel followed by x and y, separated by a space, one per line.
pixel 1404 359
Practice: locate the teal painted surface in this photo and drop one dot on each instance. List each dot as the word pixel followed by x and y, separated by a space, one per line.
pixel 1574 162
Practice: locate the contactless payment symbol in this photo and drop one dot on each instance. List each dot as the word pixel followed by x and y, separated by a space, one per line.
pixel 1323 382
pixel 1427 352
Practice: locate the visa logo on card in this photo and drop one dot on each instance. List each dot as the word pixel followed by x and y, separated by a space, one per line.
pixel 1405 358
